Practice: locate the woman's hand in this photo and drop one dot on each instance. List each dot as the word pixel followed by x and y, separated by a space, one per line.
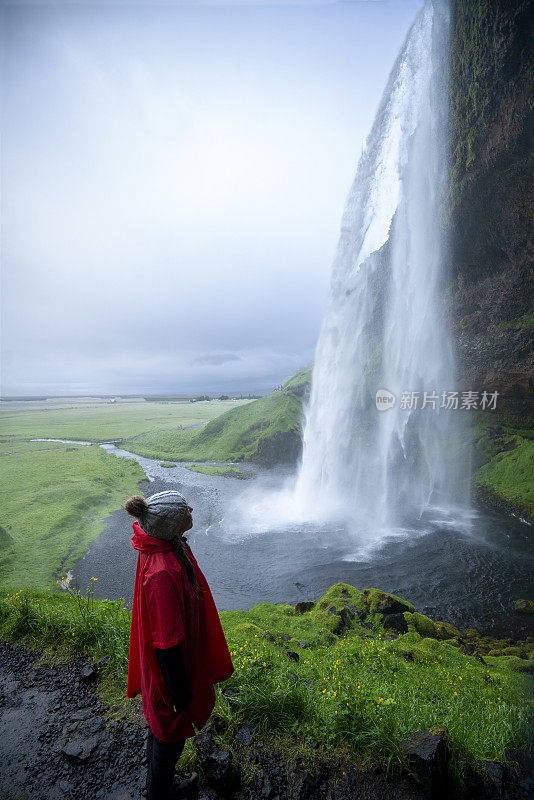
pixel 186 702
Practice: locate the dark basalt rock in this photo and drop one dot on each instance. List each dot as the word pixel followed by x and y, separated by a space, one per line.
pixel 428 755
pixel 216 764
pixel 88 673
pixel 232 695
pixel 245 734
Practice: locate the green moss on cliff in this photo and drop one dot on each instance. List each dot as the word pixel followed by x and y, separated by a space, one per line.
pixel 503 459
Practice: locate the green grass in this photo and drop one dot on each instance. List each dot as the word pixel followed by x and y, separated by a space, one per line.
pixel 503 459
pixel 262 430
pixel 54 502
pixel 211 469
pixel 98 420
pixel 510 475
pixel 358 694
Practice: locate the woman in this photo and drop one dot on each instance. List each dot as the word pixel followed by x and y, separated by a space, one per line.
pixel 178 650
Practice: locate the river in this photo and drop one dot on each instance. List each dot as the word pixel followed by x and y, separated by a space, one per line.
pixel 468 578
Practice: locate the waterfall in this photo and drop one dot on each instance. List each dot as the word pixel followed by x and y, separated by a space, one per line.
pixel 386 326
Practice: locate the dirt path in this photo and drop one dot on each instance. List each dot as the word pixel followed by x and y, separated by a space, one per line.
pixel 54 742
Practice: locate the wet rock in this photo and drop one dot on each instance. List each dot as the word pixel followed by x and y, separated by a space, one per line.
pixel 232 695
pixel 493 777
pixel 216 764
pixel 82 713
pixel 219 770
pixel 245 734
pixel 203 741
pixel 428 755
pixel 208 793
pixel 78 749
pixel 88 673
pixel 267 789
pixel 304 607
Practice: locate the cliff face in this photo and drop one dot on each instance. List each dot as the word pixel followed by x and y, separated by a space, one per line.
pixel 491 200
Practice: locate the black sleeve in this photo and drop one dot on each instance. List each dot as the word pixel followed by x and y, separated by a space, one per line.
pixel 172 667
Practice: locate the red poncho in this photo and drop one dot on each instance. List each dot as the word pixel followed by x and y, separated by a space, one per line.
pixel 165 612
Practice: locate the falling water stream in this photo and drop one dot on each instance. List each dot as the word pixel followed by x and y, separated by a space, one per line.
pixel 385 329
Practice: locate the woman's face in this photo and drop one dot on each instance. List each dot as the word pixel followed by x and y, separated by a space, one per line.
pixel 188 520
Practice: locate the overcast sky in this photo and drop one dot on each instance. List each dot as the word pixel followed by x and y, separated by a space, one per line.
pixel 173 178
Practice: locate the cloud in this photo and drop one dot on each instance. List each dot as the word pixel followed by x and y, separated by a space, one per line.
pixel 172 193
pixel 215 359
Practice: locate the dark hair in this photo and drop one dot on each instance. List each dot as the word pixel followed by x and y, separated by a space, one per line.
pixel 178 545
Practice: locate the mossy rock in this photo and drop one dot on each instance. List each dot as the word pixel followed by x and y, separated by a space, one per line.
pixel 422 624
pixel 470 633
pixel 250 630
pixel 285 608
pixel 522 606
pixel 446 631
pixel 514 651
pixel 384 602
pixel 338 595
pixel 513 663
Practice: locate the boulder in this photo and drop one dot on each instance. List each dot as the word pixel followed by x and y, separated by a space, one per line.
pixel 245 734
pixel 422 624
pixel 485 780
pixel 428 756
pixel 217 766
pixel 380 602
pixel 445 630
pixel 88 674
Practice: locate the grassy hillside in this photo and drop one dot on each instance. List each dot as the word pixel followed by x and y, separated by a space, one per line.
pixel 54 500
pixel 331 673
pixel 266 431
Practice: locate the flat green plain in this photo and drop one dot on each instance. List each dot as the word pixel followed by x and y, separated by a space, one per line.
pixel 97 420
pixel 55 500
pixel 56 495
